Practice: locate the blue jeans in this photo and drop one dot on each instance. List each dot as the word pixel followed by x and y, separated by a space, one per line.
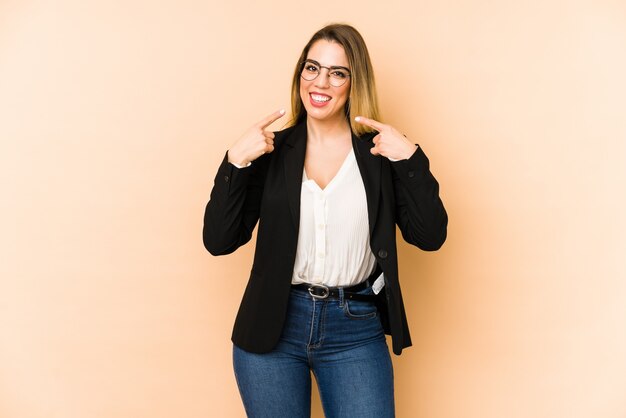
pixel 341 341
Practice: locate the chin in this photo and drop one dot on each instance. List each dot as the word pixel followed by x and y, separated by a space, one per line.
pixel 324 114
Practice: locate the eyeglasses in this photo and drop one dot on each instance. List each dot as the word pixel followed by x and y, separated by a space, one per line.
pixel 338 75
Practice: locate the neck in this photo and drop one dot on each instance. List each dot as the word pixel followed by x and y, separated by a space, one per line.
pixel 330 130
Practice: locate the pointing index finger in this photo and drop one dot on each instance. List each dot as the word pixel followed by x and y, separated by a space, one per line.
pixel 370 122
pixel 268 120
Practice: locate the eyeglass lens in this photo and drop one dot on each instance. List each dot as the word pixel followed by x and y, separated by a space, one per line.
pixel 311 70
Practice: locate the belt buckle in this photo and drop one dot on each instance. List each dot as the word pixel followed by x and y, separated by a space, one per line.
pixel 321 286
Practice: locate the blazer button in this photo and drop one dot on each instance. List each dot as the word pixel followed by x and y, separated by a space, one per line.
pixel 382 253
pixel 411 174
pixel 226 178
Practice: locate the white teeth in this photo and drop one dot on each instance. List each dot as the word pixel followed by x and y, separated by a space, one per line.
pixel 318 98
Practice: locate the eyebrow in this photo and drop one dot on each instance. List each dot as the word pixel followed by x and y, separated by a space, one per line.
pixel 332 67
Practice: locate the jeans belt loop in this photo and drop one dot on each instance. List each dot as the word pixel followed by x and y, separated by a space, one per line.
pixel 321 286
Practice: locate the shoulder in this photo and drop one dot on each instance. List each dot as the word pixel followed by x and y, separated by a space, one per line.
pixel 366 137
pixel 283 133
pixel 292 136
pixel 363 143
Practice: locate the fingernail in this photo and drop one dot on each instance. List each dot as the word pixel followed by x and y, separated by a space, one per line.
pixel 358 119
pixel 282 111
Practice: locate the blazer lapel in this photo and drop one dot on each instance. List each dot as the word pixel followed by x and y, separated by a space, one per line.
pixel 370 167
pixel 294 165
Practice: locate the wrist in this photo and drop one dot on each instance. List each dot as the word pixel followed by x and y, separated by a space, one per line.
pixel 409 153
pixel 235 159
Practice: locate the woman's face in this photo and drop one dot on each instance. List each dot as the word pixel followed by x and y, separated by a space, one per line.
pixel 323 101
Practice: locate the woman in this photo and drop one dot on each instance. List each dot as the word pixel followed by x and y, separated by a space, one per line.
pixel 327 192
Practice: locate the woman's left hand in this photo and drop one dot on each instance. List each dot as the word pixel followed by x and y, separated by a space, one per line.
pixel 389 142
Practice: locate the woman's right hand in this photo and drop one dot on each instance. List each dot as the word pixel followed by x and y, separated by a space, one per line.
pixel 255 142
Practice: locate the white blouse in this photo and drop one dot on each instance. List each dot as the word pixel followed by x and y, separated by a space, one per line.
pixel 333 242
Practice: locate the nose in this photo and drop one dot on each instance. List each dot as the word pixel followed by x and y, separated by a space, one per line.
pixel 322 80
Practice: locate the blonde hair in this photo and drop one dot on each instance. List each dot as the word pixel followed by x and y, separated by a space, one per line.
pixel 362 99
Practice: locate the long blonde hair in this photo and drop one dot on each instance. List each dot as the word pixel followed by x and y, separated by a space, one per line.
pixel 362 100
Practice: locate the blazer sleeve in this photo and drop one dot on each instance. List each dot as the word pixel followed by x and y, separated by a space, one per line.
pixel 233 209
pixel 420 214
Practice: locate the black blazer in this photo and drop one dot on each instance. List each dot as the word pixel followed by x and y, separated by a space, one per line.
pixel 402 193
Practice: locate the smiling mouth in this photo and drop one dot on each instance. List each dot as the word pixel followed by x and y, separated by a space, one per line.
pixel 320 98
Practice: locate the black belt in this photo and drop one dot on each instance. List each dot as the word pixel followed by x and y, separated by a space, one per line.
pixel 319 291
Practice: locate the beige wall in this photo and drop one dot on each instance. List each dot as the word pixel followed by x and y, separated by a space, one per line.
pixel 114 116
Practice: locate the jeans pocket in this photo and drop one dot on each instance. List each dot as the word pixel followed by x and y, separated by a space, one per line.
pixel 359 309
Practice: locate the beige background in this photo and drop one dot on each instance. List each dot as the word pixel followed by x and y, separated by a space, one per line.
pixel 114 116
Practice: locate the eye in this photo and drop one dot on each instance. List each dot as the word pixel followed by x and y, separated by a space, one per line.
pixel 311 67
pixel 339 74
